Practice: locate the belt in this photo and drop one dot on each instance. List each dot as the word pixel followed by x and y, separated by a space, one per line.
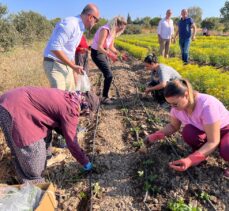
pixel 47 59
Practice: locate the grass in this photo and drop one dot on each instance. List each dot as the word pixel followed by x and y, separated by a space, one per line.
pixel 23 66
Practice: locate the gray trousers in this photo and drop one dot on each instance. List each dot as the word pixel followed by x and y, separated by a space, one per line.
pixel 29 161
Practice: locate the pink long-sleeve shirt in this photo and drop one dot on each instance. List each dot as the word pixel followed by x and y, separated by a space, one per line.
pixel 35 111
pixel 208 110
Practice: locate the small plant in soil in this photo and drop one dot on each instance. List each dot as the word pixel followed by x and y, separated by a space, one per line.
pixel 204 196
pixel 138 143
pixel 148 162
pixel 142 87
pixel 140 173
pixel 96 189
pixel 180 205
pixel 82 195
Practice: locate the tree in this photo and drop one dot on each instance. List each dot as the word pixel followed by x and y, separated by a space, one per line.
pixel 3 10
pixel 225 14
pixel 146 21
pixel 196 14
pixel 129 21
pixel 54 21
pixel 32 26
pixel 155 21
pixel 210 23
pixel 138 21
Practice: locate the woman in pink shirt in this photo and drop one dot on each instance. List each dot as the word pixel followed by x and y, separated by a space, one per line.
pixel 103 47
pixel 205 120
pixel 28 114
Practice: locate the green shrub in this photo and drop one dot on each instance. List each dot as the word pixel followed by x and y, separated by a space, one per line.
pixel 8 35
pixel 133 29
pixel 32 26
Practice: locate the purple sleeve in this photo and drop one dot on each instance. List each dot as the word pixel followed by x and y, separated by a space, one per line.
pixel 191 21
pixel 69 124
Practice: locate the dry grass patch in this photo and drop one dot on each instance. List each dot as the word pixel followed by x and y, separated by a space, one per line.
pixel 23 66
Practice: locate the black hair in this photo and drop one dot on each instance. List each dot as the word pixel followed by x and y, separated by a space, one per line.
pixel 151 58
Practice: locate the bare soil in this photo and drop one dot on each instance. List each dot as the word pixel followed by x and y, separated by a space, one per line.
pixel 117 181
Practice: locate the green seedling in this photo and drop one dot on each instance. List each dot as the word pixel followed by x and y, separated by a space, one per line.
pixel 96 189
pixel 152 178
pixel 179 205
pixel 135 129
pixel 148 162
pixel 138 143
pixel 82 195
pixel 142 87
pixel 124 110
pixel 140 173
pixel 150 120
pixel 147 186
pixel 205 196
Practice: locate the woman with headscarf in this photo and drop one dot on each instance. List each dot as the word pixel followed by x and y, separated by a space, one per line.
pixel 103 47
pixel 27 116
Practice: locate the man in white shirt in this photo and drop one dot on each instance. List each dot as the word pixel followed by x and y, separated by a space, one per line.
pixel 59 54
pixel 165 33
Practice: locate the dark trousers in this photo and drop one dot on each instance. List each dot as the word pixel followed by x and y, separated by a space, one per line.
pixel 81 59
pixel 196 138
pixel 102 63
pixel 158 95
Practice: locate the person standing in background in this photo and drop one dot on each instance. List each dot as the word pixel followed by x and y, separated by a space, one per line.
pixel 59 54
pixel 165 32
pixel 185 26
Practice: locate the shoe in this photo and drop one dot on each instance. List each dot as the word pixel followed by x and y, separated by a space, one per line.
pixel 226 173
pixel 186 63
pixel 106 101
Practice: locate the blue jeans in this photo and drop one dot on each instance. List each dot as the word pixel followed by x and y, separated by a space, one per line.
pixel 184 46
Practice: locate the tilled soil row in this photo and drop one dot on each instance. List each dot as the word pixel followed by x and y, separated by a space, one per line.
pixel 122 174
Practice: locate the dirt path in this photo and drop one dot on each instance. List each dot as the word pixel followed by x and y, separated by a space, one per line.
pixel 122 173
pixel 115 156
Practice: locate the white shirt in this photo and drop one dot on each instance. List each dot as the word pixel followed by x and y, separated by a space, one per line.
pixel 165 29
pixel 66 37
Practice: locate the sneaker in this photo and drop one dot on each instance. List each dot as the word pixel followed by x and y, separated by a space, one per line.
pixel 106 101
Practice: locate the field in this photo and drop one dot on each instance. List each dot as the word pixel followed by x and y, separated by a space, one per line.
pixel 125 178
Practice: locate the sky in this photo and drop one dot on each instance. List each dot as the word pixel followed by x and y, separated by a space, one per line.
pixel 110 8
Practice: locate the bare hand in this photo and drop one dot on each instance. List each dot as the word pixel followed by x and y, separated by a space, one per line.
pixel 147 91
pixel 78 69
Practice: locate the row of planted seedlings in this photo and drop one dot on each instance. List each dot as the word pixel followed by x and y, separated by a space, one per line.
pixel 202 50
pixel 205 79
pixel 164 188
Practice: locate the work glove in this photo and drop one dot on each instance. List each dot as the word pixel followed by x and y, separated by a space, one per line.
pixel 88 166
pixel 184 163
pixel 123 57
pixel 153 137
pixel 112 56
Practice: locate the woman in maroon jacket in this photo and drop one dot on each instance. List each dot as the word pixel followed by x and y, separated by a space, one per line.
pixel 28 114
